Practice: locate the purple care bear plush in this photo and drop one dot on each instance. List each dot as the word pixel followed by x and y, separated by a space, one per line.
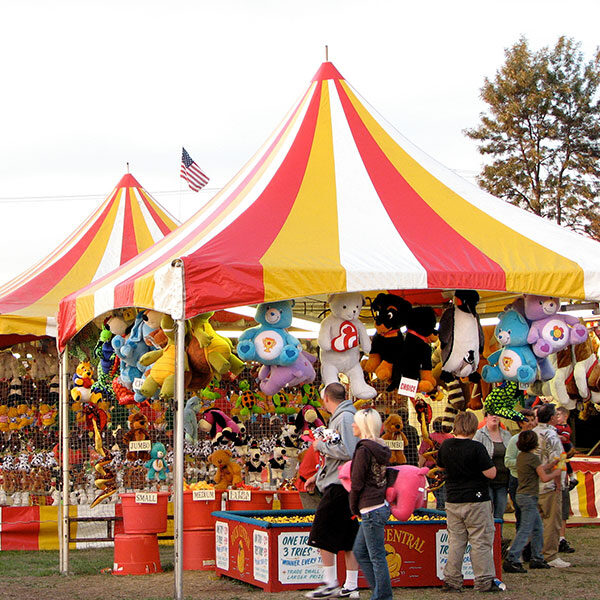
pixel 274 378
pixel 551 331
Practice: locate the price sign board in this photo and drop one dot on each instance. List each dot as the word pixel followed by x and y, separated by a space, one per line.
pixel 240 495
pixel 146 497
pixel 141 446
pixel 203 494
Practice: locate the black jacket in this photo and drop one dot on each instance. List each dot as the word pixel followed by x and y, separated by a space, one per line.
pixel 368 474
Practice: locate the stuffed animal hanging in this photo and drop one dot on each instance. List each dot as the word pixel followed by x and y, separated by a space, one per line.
pixel 341 338
pixel 218 425
pixel 229 473
pixel 502 399
pixel 390 313
pixel 273 379
pixel 395 439
pixel 415 362
pixel 157 465
pixel 515 361
pixel 461 336
pixel 270 343
pixel 551 331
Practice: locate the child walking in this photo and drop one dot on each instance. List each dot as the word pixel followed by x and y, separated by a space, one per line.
pixel 530 470
pixel 367 500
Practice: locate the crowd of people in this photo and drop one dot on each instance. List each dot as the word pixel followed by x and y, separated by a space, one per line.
pixel 483 466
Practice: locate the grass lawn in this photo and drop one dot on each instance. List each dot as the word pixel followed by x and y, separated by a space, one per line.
pixel 25 575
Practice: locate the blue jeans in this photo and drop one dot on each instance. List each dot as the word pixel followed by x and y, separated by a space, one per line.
pixel 369 549
pixel 530 528
pixel 513 483
pixel 499 497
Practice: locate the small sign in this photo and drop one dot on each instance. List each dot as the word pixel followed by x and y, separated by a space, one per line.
pixel 260 541
pixel 441 551
pixel 137 384
pixel 297 561
pixel 203 494
pixel 408 387
pixel 240 495
pixel 394 444
pixel 146 497
pixel 222 545
pixel 141 446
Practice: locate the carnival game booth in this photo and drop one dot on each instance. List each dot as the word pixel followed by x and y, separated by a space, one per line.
pixel 128 221
pixel 335 201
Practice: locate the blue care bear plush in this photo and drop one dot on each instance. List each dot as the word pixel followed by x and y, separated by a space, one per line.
pixel 269 343
pixel 516 361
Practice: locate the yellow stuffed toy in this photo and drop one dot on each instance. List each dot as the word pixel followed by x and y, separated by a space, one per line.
pixel 229 473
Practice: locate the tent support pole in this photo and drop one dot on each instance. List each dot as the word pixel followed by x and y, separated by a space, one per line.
pixel 64 426
pixel 178 473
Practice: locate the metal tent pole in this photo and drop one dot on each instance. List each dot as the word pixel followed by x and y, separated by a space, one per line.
pixel 178 472
pixel 64 425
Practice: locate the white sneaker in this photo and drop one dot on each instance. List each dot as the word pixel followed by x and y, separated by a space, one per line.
pixel 351 594
pixel 559 563
pixel 324 591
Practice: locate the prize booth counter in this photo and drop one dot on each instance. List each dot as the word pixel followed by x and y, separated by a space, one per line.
pixel 270 550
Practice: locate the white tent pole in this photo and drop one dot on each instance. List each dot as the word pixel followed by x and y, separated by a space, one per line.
pixel 64 425
pixel 179 436
pixel 178 475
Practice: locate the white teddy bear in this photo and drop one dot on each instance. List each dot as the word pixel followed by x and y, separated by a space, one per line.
pixel 341 338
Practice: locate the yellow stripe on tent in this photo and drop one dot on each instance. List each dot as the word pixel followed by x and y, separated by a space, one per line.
pixel 143 237
pixel 20 325
pixel 292 267
pixel 582 494
pixel 159 211
pixel 48 533
pixel 544 272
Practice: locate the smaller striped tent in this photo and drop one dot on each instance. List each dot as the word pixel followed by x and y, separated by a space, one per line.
pixel 127 222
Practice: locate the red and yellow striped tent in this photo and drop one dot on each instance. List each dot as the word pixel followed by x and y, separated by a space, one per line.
pixel 337 199
pixel 127 222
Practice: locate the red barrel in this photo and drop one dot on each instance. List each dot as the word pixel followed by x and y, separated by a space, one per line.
pixel 196 513
pixel 258 500
pixel 199 549
pixel 290 500
pixel 136 554
pixel 142 516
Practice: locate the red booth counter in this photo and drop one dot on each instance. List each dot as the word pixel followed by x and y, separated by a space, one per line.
pixel 276 556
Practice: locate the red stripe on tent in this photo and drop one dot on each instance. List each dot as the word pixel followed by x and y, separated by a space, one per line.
pixel 128 181
pixel 67 320
pixel 20 528
pixel 327 71
pixel 227 270
pixel 164 229
pixel 129 245
pixel 590 495
pixel 124 292
pixel 465 266
pixel 40 285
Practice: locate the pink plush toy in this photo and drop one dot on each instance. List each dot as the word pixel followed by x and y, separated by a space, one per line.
pixel 550 331
pixel 405 495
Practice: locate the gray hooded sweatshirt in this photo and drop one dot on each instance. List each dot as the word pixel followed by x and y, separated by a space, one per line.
pixel 339 453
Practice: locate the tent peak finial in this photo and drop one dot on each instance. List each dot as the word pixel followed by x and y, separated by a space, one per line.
pixel 327 71
pixel 326 53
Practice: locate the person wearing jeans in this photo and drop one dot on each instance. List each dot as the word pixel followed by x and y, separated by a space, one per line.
pixel 367 501
pixel 530 473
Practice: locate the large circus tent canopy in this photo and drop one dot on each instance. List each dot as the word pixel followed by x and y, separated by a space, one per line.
pixel 338 200
pixel 128 221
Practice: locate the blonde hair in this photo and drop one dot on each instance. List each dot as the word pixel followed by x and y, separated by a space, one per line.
pixel 369 423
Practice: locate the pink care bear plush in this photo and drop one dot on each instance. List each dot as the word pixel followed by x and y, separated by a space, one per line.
pixel 551 331
pixel 405 495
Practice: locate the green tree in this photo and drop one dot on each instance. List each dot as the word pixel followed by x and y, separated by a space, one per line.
pixel 542 133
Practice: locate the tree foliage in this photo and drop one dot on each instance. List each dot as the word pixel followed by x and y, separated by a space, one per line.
pixel 542 133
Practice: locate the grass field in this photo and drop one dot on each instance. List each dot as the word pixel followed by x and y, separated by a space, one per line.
pixel 34 575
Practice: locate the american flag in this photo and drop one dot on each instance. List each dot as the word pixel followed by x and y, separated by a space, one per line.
pixel 191 172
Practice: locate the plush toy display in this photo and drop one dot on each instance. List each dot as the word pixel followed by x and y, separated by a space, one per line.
pixel 461 336
pixel 108 364
pixel 395 439
pixel 157 465
pixel 83 382
pixel 551 331
pixel 269 343
pixel 308 418
pixel 502 399
pixel 138 432
pixel 341 338
pixel 515 361
pixel 277 465
pixel 229 473
pixel 218 425
pixel 274 378
pixel 586 371
pixel 190 419
pixel 209 354
pixel 254 465
pixel 390 313
pixel 408 492
pixel 415 362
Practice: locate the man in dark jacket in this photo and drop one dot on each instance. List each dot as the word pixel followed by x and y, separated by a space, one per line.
pixel 412 448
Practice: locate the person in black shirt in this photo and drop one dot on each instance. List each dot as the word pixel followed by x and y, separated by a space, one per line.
pixel 412 448
pixel 469 514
